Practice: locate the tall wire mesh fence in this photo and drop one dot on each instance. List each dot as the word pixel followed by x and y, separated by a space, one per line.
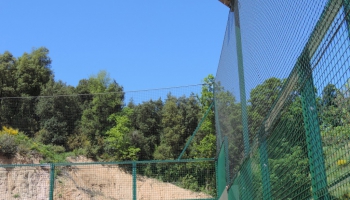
pixel 282 100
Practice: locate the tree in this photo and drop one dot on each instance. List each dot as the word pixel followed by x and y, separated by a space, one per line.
pixel 59 113
pixel 333 107
pixel 329 94
pixel 33 72
pixel 118 145
pixel 146 123
pixel 262 98
pixel 287 150
pixel 85 96
pixel 107 99
pixel 229 126
pixel 7 88
pixel 179 120
pixel 25 77
pixel 205 140
pixel 7 69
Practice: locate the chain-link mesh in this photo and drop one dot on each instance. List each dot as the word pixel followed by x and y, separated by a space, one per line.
pixel 24 182
pixel 103 181
pixel 184 179
pixel 295 69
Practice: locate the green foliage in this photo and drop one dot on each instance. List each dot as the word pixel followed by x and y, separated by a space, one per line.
pixel 292 159
pixel 22 77
pixel 53 132
pixel 59 115
pixel 77 141
pixel 117 145
pixel 335 107
pixel 146 122
pixel 207 93
pixel 206 147
pixel 329 94
pixel 7 69
pixel 8 145
pixel 190 182
pixel 229 126
pixel 33 71
pixel 94 121
pixel 208 126
pixel 179 120
pixel 336 135
pixel 262 98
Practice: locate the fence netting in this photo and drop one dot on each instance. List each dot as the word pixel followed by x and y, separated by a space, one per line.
pixel 282 100
pixel 184 179
pixel 24 182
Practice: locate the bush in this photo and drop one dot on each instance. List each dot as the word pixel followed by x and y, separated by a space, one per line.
pixel 57 149
pixel 23 149
pixel 190 182
pixel 8 145
pixel 9 130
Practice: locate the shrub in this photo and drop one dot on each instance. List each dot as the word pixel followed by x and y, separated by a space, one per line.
pixel 190 182
pixel 57 149
pixel 8 130
pixel 8 145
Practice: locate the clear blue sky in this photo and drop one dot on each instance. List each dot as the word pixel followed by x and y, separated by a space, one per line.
pixel 142 44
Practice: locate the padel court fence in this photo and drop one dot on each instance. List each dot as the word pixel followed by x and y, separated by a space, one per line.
pixel 282 101
pixel 282 114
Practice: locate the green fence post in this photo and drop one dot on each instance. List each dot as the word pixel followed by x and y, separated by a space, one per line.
pixel 134 186
pixel 227 161
pixel 264 165
pixel 312 129
pixel 52 180
pixel 217 177
pixel 249 176
pixel 241 81
pixel 221 171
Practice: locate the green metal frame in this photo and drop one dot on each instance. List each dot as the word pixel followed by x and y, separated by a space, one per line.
pixel 221 171
pixel 134 186
pixel 264 165
pixel 241 80
pixel 52 180
pixel 312 129
pixel 243 100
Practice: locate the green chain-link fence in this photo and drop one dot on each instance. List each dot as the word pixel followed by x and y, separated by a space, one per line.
pixel 282 101
pixel 181 179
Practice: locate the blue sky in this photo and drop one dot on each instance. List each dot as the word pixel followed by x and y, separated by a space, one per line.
pixel 142 44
